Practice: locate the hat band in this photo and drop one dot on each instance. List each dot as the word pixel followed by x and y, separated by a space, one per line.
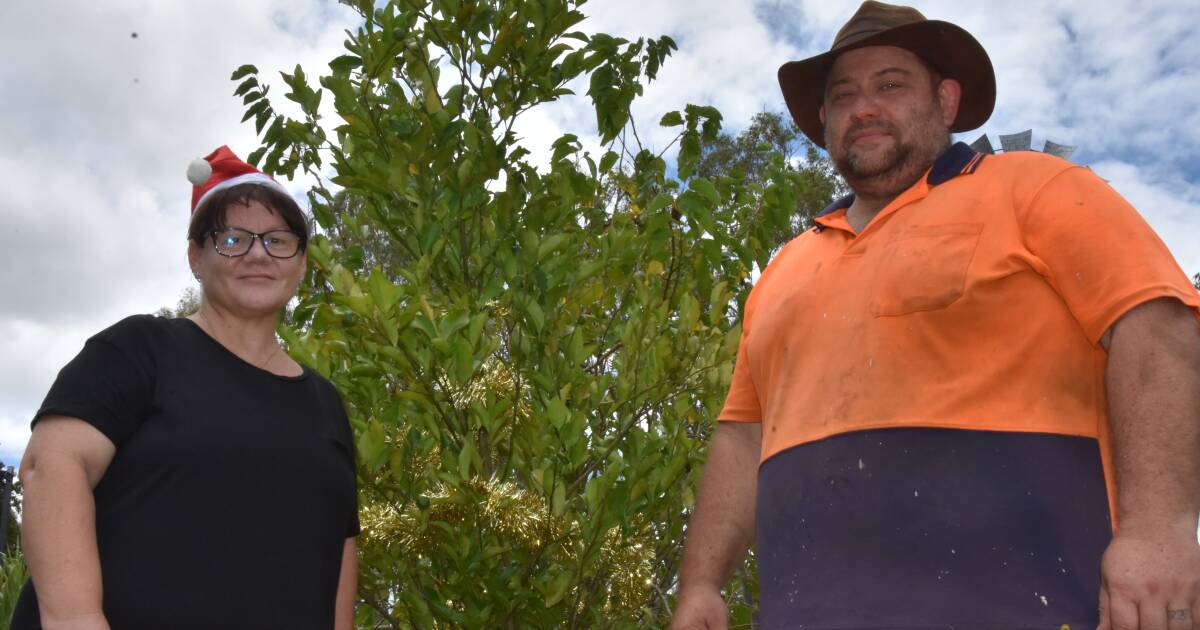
pixel 247 178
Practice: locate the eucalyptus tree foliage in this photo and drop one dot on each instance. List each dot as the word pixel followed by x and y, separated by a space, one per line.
pixel 188 304
pixel 750 156
pixel 531 350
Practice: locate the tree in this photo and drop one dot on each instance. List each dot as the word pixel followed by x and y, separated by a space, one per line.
pixel 750 156
pixel 13 575
pixel 361 244
pixel 531 355
pixel 188 303
pixel 10 543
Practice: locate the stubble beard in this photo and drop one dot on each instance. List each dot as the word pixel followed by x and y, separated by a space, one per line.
pixel 896 168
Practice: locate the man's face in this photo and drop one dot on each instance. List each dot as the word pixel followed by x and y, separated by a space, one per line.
pixel 886 117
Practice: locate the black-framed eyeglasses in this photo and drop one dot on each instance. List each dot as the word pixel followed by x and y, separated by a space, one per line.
pixel 234 242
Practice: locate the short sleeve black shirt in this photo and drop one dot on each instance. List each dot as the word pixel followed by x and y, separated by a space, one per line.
pixel 232 490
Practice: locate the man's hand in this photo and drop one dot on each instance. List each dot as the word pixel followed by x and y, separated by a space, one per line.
pixel 700 609
pixel 721 527
pixel 1150 584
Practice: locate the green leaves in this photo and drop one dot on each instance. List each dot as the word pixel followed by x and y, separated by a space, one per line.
pixel 243 71
pixel 535 316
pixel 245 87
pixel 531 348
pixel 557 588
pixel 308 99
pixel 551 243
pixel 342 65
pixel 705 189
pixel 671 119
pixel 702 124
pixel 619 68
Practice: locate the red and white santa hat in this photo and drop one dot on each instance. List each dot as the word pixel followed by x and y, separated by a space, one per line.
pixel 222 169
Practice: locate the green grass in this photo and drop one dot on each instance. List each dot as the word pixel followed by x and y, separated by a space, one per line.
pixel 12 578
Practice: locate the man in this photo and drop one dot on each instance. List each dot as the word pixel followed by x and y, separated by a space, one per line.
pixel 950 387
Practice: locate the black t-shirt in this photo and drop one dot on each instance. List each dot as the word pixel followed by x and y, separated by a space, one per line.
pixel 232 490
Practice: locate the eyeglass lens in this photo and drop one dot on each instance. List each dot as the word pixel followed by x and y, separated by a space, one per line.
pixel 236 242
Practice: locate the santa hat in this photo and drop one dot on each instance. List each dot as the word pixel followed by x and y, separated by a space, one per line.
pixel 222 169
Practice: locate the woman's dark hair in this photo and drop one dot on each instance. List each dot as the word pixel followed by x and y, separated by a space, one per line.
pixel 211 215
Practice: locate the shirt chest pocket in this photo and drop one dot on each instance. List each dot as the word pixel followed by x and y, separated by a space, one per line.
pixel 924 268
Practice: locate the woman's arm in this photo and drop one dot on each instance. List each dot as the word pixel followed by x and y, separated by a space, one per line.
pixel 65 459
pixel 347 591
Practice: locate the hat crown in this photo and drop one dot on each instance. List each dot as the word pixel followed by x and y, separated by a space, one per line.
pixel 223 169
pixel 872 18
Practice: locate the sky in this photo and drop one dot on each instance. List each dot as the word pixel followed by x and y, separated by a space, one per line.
pixel 105 103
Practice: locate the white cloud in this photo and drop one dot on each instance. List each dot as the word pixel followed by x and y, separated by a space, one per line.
pixel 78 247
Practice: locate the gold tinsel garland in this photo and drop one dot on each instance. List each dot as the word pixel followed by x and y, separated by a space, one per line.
pixel 495 379
pixel 522 519
pixel 514 515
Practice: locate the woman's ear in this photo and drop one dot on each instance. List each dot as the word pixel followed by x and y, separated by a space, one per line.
pixel 194 258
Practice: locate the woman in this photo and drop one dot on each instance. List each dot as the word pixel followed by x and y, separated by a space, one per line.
pixel 187 473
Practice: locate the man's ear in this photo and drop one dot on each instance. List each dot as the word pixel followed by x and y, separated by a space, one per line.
pixel 949 95
pixel 821 115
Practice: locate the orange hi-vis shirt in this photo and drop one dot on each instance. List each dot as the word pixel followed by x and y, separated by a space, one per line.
pixel 974 300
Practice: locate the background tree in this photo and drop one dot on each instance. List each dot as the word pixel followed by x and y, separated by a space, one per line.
pixel 12 526
pixel 531 354
pixel 188 303
pixel 12 563
pixel 750 156
pixel 360 242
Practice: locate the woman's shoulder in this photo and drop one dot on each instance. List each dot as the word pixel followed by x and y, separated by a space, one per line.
pixel 330 406
pixel 323 386
pixel 138 334
pixel 135 327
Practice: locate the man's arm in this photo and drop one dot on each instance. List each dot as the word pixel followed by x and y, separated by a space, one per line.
pixel 721 528
pixel 65 459
pixel 1151 571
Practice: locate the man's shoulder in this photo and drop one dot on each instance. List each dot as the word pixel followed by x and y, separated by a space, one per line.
pixel 792 249
pixel 1016 179
pixel 1024 164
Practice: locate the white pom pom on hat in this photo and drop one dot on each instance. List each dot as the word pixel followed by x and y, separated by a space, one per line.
pixel 199 171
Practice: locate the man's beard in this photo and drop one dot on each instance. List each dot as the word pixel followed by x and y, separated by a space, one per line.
pixel 892 170
pixel 853 165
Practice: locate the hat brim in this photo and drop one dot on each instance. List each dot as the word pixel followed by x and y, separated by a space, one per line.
pixel 948 48
pixel 257 179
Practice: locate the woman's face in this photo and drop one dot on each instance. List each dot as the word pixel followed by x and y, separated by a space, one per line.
pixel 254 284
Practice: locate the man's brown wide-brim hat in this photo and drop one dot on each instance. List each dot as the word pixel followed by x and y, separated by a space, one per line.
pixel 948 48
